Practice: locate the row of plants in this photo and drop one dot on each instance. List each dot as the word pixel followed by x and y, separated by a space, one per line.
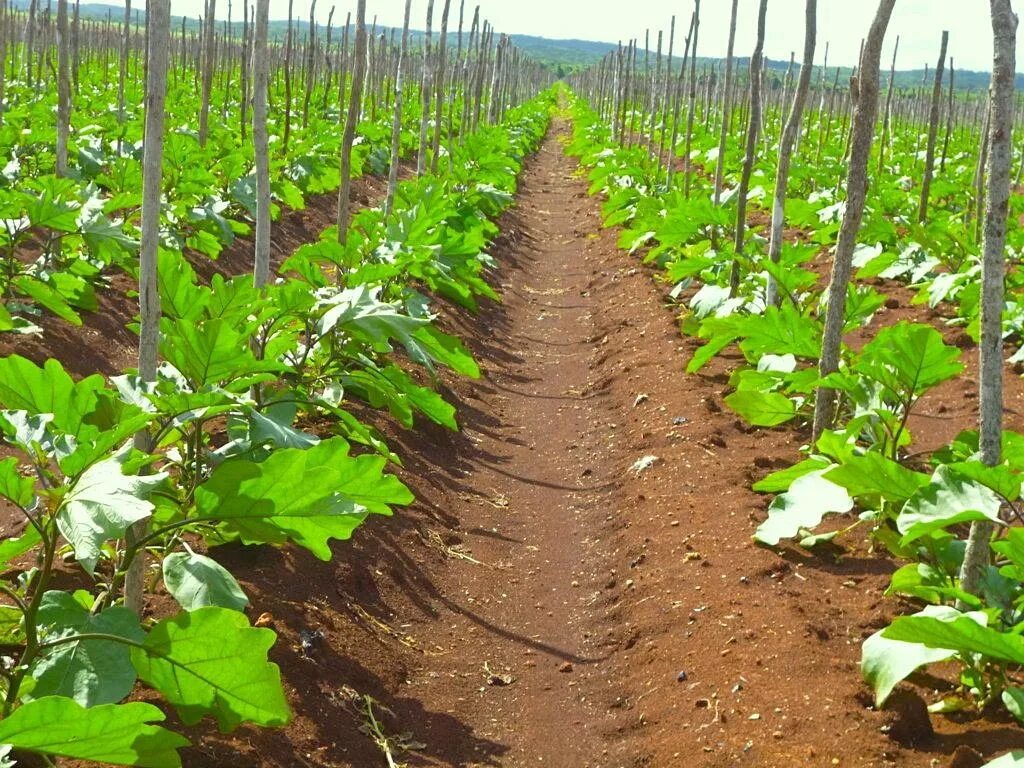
pixel 248 436
pixel 913 506
pixel 59 236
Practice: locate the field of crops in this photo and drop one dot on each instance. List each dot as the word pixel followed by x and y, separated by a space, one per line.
pixel 369 397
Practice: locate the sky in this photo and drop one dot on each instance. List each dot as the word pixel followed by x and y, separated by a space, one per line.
pixel 841 23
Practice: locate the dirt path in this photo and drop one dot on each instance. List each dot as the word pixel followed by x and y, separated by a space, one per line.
pixel 536 482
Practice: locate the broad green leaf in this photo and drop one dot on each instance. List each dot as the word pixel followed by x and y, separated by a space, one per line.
pixel 885 663
pixel 180 295
pixel 949 498
pixel 909 359
pixel 872 474
pixel 102 505
pixel 762 409
pixel 50 389
pixel 196 581
pixel 777 482
pixel 1011 547
pixel 782 330
pixel 89 671
pixel 927 583
pixel 47 297
pixel 807 501
pixel 17 546
pixel 425 400
pixel 309 496
pixel 1000 478
pixel 359 310
pixel 211 662
pixel 119 734
pixel 209 353
pixel 14 486
pixel 961 634
pixel 428 345
pixel 266 428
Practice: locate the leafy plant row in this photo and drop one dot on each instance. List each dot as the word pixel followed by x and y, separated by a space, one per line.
pixel 59 236
pixel 914 507
pixel 246 436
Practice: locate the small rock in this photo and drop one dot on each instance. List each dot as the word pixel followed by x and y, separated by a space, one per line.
pixel 500 680
pixel 566 667
pixel 892 303
pixel 681 677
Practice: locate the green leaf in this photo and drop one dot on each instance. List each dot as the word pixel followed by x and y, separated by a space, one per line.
pixel 1013 759
pixel 50 389
pixel 13 486
pixel 431 345
pixel 928 583
pixel 884 663
pixel 781 331
pixel 120 734
pixel 107 240
pixel 777 482
pixel 803 506
pixel 1013 700
pixel 11 626
pixel 269 428
pixel 949 498
pixel 706 352
pixel 18 545
pixel 209 353
pixel 89 671
pixel 908 359
pixel 210 661
pixel 196 581
pixel 872 474
pixel 180 295
pixel 962 634
pixel 1000 478
pixel 425 400
pixel 1012 548
pixel 762 409
pixel 47 297
pixel 308 496
pixel 102 505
